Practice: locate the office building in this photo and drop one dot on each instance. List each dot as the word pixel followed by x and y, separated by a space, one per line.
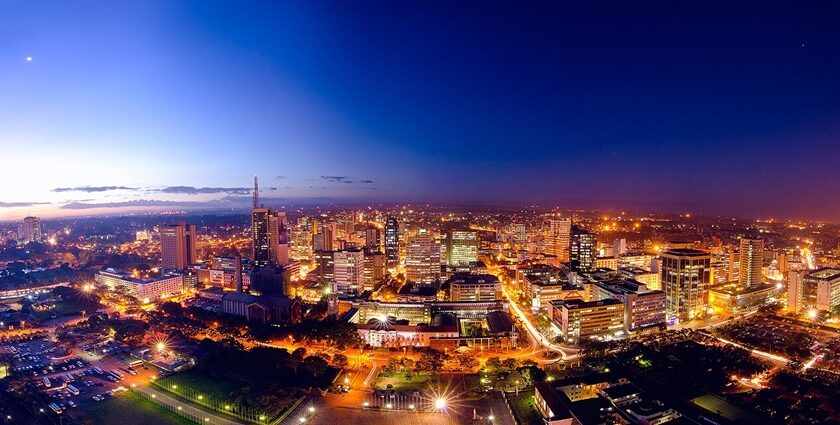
pixel 178 246
pixel 751 258
pixel 686 277
pixel 260 236
pixel 580 320
pixel 558 238
pixel 474 287
pixel 30 230
pixel 643 308
pixel 373 238
pixel 278 238
pixel 145 290
pixel 392 242
pixel 819 289
pixel 301 243
pixel 324 269
pixel 583 250
pixel 422 259
pixel 349 271
pixel 461 247
pixel 374 268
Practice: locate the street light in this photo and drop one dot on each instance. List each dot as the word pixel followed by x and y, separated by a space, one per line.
pixel 311 409
pixel 440 403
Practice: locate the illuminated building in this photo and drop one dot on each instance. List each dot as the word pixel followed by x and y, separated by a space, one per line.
pixel 301 244
pixel 374 268
pixel 606 263
pixel 541 271
pixel 635 259
pixel 177 246
pixel 686 276
pixel 324 266
pixel 262 309
pixel 373 238
pixel 422 259
pixel 731 296
pixel 386 334
pixel 143 289
pixel 646 277
pixel 30 230
pixel 349 271
pixel 795 289
pixel 582 253
pixel 259 236
pixel 472 287
pixel 820 289
pixel 542 291
pixel 461 247
pixel 142 236
pixel 392 242
pixel 751 258
pixel 558 238
pixel 580 320
pixel 643 308
pixel 278 238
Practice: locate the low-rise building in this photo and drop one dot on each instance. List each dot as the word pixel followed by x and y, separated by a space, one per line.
pixel 643 308
pixel 474 287
pixel 145 290
pixel 542 291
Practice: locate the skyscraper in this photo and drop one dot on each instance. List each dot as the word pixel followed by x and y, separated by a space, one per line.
pixel 392 242
pixel 349 271
pixel 278 238
pixel 373 238
pixel 686 277
pixel 582 251
pixel 30 230
pixel 302 239
pixel 751 255
pixel 461 246
pixel 422 258
pixel 558 238
pixel 259 236
pixel 177 245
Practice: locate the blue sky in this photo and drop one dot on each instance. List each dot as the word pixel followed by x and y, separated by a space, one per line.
pixel 709 107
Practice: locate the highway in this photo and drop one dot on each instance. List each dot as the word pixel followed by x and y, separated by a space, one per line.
pixel 566 354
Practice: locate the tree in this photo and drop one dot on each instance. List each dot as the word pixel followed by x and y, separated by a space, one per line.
pixel 172 309
pixel 392 365
pixel 315 366
pixel 431 360
pixel 340 360
pixel 493 363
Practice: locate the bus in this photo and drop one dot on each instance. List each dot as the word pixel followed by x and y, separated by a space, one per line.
pixel 136 362
pixel 99 370
pixel 55 408
pixel 73 390
pixel 117 374
pixel 47 382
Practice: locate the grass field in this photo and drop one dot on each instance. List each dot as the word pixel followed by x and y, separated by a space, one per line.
pixel 723 408
pixel 127 409
pixel 523 408
pixel 220 388
pixel 417 382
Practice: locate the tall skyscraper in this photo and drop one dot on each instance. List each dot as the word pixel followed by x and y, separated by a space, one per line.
pixel 558 238
pixel 260 236
pixel 461 246
pixel 686 277
pixel 392 242
pixel 751 255
pixel 30 230
pixel 177 245
pixel 422 258
pixel 349 271
pixel 582 252
pixel 373 238
pixel 301 248
pixel 278 238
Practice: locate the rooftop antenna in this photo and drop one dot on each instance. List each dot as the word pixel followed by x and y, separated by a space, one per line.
pixel 256 193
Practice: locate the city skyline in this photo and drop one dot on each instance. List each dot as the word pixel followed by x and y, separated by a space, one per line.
pixel 667 108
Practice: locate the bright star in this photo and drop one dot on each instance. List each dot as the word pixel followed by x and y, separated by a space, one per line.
pixel 29 58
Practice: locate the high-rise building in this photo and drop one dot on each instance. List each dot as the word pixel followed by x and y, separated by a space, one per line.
pixel 260 236
pixel 373 238
pixel 374 268
pixel 422 258
pixel 324 266
pixel 819 289
pixel 686 277
pixel 582 253
pixel 580 320
pixel 278 238
pixel 301 248
pixel 392 242
pixel 558 238
pixel 751 255
pixel 461 247
pixel 177 245
pixel 30 230
pixel 349 271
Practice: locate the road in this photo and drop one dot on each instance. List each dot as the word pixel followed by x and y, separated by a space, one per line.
pixel 537 338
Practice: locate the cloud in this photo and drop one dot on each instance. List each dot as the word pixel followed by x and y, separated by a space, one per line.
pixel 190 190
pixel 366 181
pixel 281 177
pixel 92 189
pixel 347 181
pixel 334 179
pixel 20 204
pixel 133 203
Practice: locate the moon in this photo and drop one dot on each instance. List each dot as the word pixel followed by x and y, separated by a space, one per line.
pixel 29 58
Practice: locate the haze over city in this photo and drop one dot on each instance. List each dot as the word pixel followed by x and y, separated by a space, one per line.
pixel 719 109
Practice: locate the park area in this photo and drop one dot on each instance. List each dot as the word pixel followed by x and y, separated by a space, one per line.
pixel 127 409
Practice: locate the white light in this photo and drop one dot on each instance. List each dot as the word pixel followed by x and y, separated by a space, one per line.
pixel 29 58
pixel 440 404
pixel 311 409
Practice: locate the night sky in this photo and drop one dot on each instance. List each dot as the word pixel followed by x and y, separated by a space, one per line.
pixel 707 107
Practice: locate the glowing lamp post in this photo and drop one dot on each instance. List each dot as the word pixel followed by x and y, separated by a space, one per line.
pixel 440 404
